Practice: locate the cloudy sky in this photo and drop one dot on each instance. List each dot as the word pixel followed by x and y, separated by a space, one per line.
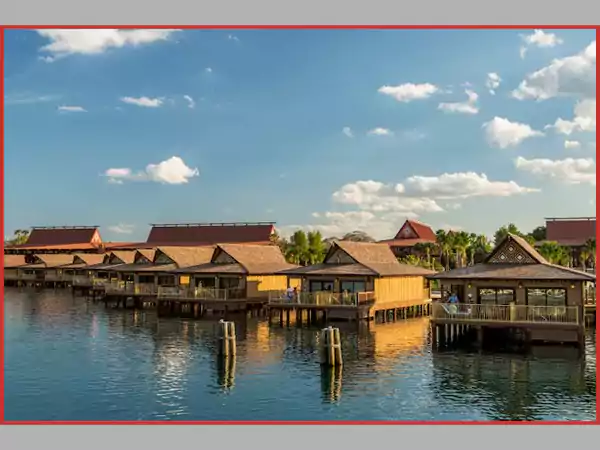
pixel 333 130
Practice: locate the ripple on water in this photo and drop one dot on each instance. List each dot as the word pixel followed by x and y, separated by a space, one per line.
pixel 67 359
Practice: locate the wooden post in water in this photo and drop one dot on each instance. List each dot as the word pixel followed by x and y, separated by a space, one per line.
pixel 331 347
pixel 227 339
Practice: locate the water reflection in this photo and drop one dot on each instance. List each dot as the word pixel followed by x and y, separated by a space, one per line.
pixel 71 359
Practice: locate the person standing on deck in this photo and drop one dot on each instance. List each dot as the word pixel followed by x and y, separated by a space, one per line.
pixel 453 300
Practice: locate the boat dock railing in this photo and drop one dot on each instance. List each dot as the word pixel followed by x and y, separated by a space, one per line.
pixel 465 313
pixel 323 298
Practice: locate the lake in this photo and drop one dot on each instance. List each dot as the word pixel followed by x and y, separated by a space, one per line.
pixel 70 359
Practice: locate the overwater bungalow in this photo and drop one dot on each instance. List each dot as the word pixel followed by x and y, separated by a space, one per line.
pixel 356 281
pixel 153 268
pixel 515 289
pixel 105 269
pixel 11 266
pixel 79 267
pixel 43 270
pixel 238 271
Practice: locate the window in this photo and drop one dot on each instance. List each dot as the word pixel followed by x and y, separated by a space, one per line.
pixel 320 286
pixel 546 297
pixel 496 296
pixel 353 286
pixel 146 279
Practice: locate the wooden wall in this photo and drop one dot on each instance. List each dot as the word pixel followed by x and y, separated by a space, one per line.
pixel 258 286
pixel 400 291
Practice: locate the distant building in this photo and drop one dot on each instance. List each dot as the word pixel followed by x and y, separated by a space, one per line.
pixel 63 239
pixel 191 234
pixel 571 232
pixel 410 234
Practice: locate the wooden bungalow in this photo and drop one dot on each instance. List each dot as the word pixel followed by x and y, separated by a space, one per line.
pixel 516 288
pixel 79 267
pixel 11 269
pixel 111 260
pixel 43 270
pixel 63 239
pixel 358 280
pixel 572 233
pixel 153 268
pixel 239 271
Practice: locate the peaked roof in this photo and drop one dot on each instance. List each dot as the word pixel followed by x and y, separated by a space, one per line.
pixel 53 260
pixel 11 261
pixel 126 256
pixel 187 256
pixel 515 259
pixel 369 259
pixel 210 233
pixel 412 232
pixel 421 231
pixel 147 253
pixel 88 259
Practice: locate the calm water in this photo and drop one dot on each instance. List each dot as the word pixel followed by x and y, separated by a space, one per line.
pixel 67 359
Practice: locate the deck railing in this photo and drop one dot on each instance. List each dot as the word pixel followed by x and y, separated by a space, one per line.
pixel 129 287
pixel 192 293
pixel 324 298
pixel 506 313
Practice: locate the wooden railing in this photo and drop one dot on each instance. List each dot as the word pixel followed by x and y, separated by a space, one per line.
pixel 191 293
pixel 129 287
pixel 324 298
pixel 506 313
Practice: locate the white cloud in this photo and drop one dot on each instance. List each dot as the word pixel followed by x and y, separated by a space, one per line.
pixel 190 100
pixel 539 38
pixel 171 171
pixel 28 99
pixel 122 228
pixel 493 82
pixel 71 109
pixel 584 119
pixel 380 132
pixel 467 107
pixel 208 70
pixel 462 185
pixel 503 133
pixel 232 37
pixel 144 102
pixel 408 92
pixel 569 170
pixel 571 76
pixel 348 132
pixel 572 144
pixel 89 42
pixel 419 194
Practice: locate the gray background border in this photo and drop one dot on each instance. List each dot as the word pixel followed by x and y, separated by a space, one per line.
pixel 307 12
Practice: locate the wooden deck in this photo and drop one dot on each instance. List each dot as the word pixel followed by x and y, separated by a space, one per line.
pixel 536 323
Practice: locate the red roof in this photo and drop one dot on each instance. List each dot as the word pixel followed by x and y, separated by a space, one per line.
pixel 571 231
pixel 405 242
pixel 81 246
pixel 58 236
pixel 211 233
pixel 416 230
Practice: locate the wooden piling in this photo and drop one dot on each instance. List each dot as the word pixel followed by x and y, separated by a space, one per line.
pixel 331 347
pixel 227 338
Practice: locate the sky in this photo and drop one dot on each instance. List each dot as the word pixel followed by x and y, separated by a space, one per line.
pixel 329 130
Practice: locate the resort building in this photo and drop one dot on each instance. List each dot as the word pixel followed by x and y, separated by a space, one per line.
pixel 410 234
pixel 516 288
pixel 194 234
pixel 242 271
pixel 573 233
pixel 356 280
pixel 11 266
pixel 43 269
pixel 65 239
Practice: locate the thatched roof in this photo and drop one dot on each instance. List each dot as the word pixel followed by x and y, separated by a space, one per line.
pixel 367 259
pixel 249 259
pixel 12 261
pixel 515 259
pixel 187 256
pixel 146 253
pixel 51 261
pixel 125 256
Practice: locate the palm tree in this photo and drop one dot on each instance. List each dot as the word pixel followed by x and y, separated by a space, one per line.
pixel 297 248
pixel 444 246
pixel 460 243
pixel 480 247
pixel 19 237
pixel 426 248
pixel 588 252
pixel 554 253
pixel 316 247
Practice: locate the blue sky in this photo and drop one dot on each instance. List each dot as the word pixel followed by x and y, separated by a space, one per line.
pixel 333 130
